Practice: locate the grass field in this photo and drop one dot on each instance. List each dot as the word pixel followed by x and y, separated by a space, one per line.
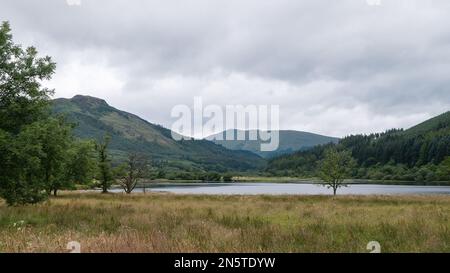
pixel 189 223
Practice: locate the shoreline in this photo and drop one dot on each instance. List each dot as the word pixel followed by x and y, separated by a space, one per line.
pixel 268 180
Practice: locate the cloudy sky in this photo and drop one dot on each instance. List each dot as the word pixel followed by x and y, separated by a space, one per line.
pixel 334 67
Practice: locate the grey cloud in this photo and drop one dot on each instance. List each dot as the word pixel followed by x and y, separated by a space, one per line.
pixel 392 59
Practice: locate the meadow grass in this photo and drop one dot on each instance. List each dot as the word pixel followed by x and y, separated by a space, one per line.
pixel 199 223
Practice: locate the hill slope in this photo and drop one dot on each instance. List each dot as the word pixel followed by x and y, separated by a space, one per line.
pixel 435 124
pixel 94 118
pixel 394 153
pixel 290 142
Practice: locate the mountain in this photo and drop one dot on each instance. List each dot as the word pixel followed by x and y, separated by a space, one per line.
pixel 94 118
pixel 289 142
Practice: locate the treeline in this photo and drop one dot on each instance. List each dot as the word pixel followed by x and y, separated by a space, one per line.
pixel 401 147
pixel 419 154
pixel 197 176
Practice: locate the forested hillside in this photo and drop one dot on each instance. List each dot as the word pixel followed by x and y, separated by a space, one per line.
pixel 413 154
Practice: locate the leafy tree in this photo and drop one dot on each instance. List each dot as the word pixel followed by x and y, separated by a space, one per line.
pixel 22 98
pixel 23 102
pixel 21 176
pixel 104 174
pixel 49 161
pixel 335 167
pixel 80 164
pixel 55 138
pixel 135 168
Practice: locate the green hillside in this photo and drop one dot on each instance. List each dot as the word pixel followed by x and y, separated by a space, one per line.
pixel 94 118
pixel 413 154
pixel 290 142
pixel 438 123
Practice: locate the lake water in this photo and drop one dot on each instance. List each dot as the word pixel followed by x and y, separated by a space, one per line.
pixel 288 189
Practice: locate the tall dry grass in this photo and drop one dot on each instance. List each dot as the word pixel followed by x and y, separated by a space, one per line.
pixel 192 223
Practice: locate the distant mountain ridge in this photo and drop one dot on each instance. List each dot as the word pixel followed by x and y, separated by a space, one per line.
pixel 289 142
pixel 94 118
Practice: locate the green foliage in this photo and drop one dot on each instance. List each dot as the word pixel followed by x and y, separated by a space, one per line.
pixel 54 138
pixel 198 176
pixel 23 103
pixel 444 169
pixel 179 175
pixel 38 152
pixel 335 167
pixel 43 158
pixel 81 163
pixel 105 171
pixel 303 163
pixel 22 98
pixel 21 174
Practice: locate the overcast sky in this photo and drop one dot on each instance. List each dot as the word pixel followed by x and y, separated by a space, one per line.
pixel 335 67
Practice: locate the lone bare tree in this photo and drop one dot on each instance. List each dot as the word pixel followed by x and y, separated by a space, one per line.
pixel 335 168
pixel 134 169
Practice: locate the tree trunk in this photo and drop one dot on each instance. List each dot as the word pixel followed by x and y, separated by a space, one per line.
pixel 334 191
pixel 55 192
